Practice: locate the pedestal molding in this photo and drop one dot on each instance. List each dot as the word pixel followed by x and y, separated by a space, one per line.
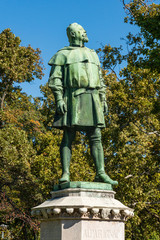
pixel 83 213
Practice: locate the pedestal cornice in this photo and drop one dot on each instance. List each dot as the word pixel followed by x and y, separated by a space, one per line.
pixel 81 203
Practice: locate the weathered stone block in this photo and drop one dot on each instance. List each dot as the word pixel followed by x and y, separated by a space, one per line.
pixel 82 214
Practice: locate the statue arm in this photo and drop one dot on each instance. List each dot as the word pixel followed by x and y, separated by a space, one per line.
pixel 56 85
pixel 102 93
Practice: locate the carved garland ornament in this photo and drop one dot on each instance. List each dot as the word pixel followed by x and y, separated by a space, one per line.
pixel 83 213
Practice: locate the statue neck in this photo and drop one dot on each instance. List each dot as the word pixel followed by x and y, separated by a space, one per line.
pixel 77 43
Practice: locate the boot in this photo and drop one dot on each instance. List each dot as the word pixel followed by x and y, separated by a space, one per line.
pixel 64 178
pixel 103 177
pixel 65 162
pixel 98 156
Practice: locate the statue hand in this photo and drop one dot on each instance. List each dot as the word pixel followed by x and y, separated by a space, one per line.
pixel 105 108
pixel 61 107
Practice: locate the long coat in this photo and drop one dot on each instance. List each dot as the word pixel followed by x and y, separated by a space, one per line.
pixel 76 78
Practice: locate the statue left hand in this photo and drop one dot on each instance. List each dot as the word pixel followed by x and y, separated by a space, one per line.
pixel 61 107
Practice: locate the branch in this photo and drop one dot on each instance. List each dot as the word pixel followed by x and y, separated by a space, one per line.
pixel 3 97
pixel 18 213
pixel 131 12
pixel 2 100
pixel 155 132
pixel 153 214
pixel 147 203
pixel 129 176
pixel 148 133
pixel 116 74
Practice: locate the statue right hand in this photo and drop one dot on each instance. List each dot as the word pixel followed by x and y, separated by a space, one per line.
pixel 61 107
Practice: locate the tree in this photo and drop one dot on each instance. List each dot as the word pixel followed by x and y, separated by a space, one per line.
pixel 146 15
pixel 19 127
pixel 17 182
pixel 132 137
pixel 17 64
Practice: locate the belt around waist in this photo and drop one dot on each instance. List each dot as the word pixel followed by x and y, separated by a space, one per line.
pixel 85 90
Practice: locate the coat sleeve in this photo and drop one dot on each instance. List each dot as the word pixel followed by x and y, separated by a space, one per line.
pixel 55 81
pixel 102 90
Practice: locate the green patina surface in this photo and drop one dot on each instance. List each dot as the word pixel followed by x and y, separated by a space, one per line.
pixel 80 95
pixel 84 185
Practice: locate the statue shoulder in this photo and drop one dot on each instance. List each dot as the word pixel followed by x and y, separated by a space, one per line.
pixel 90 50
pixel 60 57
pixel 94 55
pixel 68 55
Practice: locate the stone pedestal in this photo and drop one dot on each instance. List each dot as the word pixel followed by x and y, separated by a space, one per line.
pixel 76 213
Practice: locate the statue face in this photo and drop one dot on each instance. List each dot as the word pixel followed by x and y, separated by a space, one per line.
pixel 76 34
pixel 81 34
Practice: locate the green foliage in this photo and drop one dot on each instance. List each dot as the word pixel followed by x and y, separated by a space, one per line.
pixel 30 158
pixel 16 180
pixel 154 236
pixel 17 63
pixel 20 125
pixel 131 144
pixel 132 137
pixel 146 14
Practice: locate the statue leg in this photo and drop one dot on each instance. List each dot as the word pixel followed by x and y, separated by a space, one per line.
pixel 65 152
pixel 96 148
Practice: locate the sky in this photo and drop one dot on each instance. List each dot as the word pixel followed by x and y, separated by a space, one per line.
pixel 43 23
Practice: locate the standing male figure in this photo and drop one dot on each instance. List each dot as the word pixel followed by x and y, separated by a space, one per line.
pixel 79 91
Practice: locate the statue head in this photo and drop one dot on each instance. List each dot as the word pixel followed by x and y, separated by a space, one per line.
pixel 77 36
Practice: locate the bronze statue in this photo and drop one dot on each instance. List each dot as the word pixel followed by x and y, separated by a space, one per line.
pixel 79 90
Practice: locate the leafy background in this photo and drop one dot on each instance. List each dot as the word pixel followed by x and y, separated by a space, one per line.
pixel 29 156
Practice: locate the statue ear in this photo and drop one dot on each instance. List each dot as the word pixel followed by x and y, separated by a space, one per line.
pixel 72 34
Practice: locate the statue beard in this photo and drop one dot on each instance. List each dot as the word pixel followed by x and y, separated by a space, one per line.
pixel 85 39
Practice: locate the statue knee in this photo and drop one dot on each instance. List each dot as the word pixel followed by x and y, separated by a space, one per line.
pixel 68 137
pixel 95 136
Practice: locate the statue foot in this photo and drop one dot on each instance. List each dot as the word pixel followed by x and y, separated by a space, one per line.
pixel 64 178
pixel 103 177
